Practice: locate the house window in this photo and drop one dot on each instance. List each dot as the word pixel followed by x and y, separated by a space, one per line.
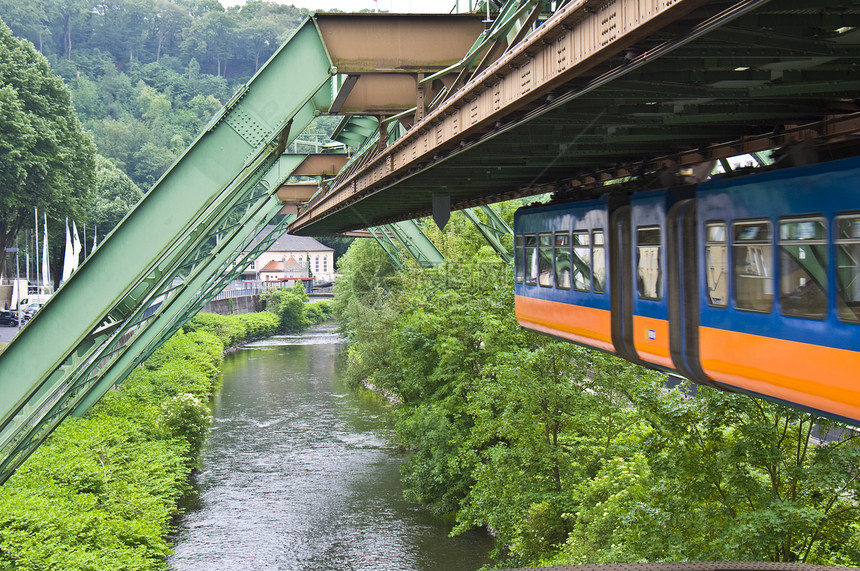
pixel 325 263
pixel 316 263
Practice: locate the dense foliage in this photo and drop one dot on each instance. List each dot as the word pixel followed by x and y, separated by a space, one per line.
pixel 294 313
pixel 573 456
pixel 147 75
pixel 101 492
pixel 46 159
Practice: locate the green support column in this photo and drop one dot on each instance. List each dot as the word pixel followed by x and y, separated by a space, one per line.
pixel 167 233
pixel 416 243
pixel 494 231
pixel 380 234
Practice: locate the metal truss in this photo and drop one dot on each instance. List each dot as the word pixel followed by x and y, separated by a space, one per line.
pixel 493 231
pixel 168 257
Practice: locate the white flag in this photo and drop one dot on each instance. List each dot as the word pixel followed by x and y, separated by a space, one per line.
pixel 67 256
pixel 76 247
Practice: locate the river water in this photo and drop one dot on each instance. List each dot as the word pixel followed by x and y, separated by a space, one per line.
pixel 301 473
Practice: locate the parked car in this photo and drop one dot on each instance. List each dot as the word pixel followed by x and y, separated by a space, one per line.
pixel 8 319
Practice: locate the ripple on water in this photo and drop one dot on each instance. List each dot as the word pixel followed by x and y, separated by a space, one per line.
pixel 299 475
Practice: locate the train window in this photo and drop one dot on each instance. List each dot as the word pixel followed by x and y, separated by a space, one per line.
pixel 562 260
pixel 717 263
pixel 518 258
pixel 545 260
pixel 752 251
pixel 848 267
pixel 581 261
pixel 803 267
pixel 598 257
pixel 649 273
pixel 531 265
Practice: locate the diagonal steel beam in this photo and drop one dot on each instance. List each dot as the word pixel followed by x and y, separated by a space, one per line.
pixel 416 243
pixel 494 231
pixel 165 235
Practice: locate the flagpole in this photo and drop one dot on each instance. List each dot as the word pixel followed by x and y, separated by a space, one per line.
pixel 36 236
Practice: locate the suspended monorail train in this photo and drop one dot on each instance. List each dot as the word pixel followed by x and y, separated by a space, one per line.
pixel 748 283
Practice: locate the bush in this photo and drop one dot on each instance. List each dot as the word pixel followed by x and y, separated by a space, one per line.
pixel 230 329
pixel 289 305
pixel 262 324
pixel 317 312
pixel 100 493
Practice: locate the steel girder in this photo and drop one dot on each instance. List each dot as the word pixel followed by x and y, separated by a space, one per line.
pixel 416 243
pixel 168 246
pixel 493 231
pixel 193 284
pixel 380 234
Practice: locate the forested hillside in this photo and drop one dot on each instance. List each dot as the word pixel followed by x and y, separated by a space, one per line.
pixel 147 75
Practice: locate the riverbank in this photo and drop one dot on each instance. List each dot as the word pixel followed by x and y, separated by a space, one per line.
pixel 101 492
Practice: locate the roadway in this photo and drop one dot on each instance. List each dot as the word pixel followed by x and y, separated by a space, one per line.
pixel 7 333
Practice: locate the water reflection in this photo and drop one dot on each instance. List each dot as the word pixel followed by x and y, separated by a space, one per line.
pixel 301 473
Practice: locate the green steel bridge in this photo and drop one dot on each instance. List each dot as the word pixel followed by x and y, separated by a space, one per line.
pixel 440 113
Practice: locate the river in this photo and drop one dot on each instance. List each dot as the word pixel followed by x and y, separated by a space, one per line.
pixel 302 473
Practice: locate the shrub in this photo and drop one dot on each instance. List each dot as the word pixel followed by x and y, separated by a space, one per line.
pixel 288 304
pixel 260 324
pixel 230 329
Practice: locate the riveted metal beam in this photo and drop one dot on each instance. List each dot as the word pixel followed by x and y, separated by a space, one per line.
pixel 569 44
pixel 416 243
pixel 495 230
pixel 380 234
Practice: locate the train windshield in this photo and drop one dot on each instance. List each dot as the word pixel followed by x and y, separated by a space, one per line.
pixel 848 267
pixel 803 267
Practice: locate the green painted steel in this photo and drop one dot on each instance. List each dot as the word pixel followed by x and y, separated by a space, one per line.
pixel 416 243
pixel 382 238
pixel 90 323
pixel 201 277
pixel 493 231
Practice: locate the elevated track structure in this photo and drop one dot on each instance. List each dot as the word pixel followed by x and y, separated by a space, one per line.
pixel 441 112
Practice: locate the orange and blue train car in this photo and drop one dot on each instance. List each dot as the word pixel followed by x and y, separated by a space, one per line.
pixel 748 283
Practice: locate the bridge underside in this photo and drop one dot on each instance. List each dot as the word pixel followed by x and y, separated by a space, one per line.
pixel 722 79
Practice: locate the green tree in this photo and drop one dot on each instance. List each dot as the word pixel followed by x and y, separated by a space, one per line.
pixel 289 305
pixel 114 195
pixel 51 160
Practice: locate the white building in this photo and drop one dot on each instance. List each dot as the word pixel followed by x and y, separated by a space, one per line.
pixel 292 257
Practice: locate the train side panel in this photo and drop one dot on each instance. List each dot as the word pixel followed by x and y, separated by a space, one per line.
pixel 562 286
pixel 778 315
